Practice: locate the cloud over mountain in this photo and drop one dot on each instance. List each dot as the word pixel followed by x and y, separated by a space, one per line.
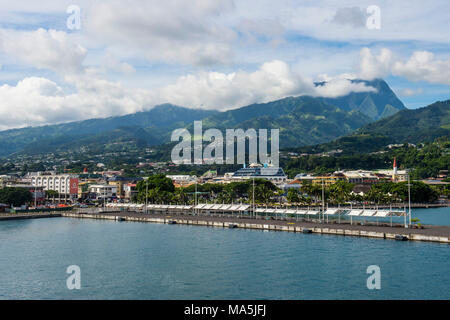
pixel 420 66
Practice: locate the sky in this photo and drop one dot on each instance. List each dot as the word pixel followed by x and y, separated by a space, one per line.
pixel 63 60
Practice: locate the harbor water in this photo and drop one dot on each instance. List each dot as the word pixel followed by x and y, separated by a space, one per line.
pixel 129 260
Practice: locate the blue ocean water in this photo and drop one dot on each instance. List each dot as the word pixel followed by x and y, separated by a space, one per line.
pixel 129 260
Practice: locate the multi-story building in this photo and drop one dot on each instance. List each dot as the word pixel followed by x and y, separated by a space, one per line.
pixel 103 191
pixel 120 183
pixel 130 191
pixel 66 185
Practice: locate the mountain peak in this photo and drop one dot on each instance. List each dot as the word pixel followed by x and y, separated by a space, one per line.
pixel 375 105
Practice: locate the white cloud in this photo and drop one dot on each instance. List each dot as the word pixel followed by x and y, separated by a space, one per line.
pixel 339 87
pixel 174 31
pixel 400 21
pixel 273 80
pixel 45 49
pixel 421 66
pixel 226 91
pixel 374 66
pixel 38 101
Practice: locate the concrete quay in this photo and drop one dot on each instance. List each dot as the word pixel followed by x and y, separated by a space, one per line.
pixel 439 234
pixel 21 216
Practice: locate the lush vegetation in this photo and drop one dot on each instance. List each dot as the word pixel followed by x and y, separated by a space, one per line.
pixel 301 120
pixel 398 192
pixel 155 189
pixel 425 161
pixel 414 126
pixel 15 196
pixel 101 135
pixel 161 190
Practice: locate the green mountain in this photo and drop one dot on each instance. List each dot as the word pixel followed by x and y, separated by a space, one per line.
pixel 301 120
pixel 407 126
pixel 89 133
pixel 376 105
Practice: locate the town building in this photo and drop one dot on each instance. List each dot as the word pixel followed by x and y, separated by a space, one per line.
pixel 182 180
pixel 361 177
pixel 102 192
pixel 395 175
pixel 130 191
pixel 66 185
pixel 120 182
pixel 328 180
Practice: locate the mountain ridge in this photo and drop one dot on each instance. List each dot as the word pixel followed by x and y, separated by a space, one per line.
pixel 414 126
pixel 302 120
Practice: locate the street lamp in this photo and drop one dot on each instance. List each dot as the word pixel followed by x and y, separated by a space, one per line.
pixel 323 201
pixel 146 195
pixel 254 197
pixel 409 199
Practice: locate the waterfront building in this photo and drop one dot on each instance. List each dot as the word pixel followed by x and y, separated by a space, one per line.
pixel 130 190
pixel 120 182
pixel 66 185
pixel 102 191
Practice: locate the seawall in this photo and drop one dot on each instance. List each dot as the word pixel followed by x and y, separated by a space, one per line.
pixel 440 234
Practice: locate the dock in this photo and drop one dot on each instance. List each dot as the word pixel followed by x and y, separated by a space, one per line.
pixel 437 234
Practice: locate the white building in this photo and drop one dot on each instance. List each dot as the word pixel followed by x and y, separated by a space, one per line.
pixel 65 184
pixel 397 175
pixel 182 179
pixel 103 191
pixel 360 176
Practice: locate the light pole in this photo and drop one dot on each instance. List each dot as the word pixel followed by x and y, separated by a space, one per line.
pixel 146 195
pixel 254 197
pixel 35 197
pixel 195 201
pixel 409 199
pixel 104 197
pixel 323 201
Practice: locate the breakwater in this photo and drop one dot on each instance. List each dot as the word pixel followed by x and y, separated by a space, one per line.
pixel 20 216
pixel 440 234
